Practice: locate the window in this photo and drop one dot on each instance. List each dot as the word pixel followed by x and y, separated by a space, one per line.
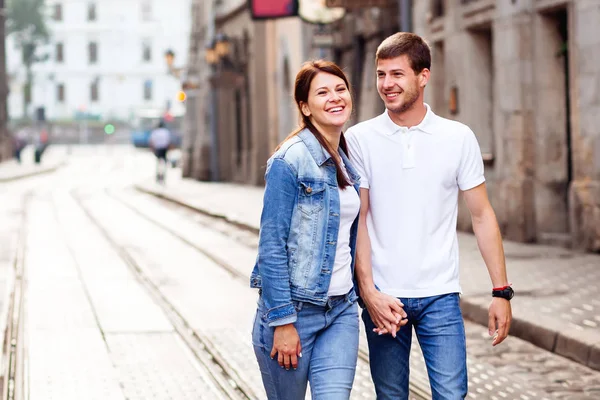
pixel 91 12
pixel 146 51
pixel 59 53
pixel 148 90
pixel 437 8
pixel 94 95
pixel 57 16
pixel 93 52
pixel 60 93
pixel 146 10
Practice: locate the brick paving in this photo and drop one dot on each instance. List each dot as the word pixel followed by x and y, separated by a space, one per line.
pixel 516 369
pixel 554 308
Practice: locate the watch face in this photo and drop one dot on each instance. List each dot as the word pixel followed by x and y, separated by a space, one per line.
pixel 507 293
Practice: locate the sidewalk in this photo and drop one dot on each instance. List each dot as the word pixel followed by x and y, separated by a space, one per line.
pixel 53 158
pixel 556 306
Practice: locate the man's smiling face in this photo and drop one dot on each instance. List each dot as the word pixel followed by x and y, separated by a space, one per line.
pixel 397 84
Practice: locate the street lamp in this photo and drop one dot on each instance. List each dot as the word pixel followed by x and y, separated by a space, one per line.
pixel 211 56
pixel 222 45
pixel 169 57
pixel 218 50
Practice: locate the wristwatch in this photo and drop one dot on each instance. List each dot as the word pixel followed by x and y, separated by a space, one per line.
pixel 505 292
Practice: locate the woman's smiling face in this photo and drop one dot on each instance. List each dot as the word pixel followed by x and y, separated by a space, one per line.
pixel 329 101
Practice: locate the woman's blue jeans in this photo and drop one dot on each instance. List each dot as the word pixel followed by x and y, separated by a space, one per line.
pixel 329 339
pixel 440 330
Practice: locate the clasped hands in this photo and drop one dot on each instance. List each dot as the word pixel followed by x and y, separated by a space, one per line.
pixel 386 312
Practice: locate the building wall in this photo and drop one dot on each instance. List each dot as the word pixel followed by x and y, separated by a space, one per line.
pixel 357 37
pixel 584 193
pixel 254 103
pixel 120 31
pixel 529 68
pixel 523 75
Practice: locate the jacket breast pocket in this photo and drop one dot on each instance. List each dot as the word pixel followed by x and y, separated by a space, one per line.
pixel 311 197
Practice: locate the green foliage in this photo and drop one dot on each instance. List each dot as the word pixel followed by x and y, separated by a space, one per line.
pixel 26 21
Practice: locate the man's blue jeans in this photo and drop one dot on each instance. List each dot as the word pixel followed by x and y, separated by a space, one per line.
pixel 440 330
pixel 329 339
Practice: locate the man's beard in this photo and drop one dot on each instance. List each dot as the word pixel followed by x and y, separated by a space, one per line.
pixel 411 99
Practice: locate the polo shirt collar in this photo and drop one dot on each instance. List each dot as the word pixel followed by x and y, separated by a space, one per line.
pixel 426 125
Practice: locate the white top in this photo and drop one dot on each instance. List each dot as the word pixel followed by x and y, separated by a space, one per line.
pixel 341 275
pixel 413 176
pixel 160 138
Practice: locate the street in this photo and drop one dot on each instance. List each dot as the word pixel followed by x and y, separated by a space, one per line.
pixel 112 293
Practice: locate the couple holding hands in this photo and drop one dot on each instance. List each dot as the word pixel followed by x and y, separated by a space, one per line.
pixel 369 216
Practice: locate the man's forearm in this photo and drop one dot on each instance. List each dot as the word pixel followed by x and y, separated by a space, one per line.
pixel 490 245
pixel 364 271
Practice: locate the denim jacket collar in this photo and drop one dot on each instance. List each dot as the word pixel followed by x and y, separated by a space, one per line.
pixel 321 155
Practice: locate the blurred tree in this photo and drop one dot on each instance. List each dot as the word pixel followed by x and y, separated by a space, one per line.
pixel 5 140
pixel 26 21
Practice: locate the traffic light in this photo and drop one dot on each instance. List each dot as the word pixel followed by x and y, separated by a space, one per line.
pixel 181 96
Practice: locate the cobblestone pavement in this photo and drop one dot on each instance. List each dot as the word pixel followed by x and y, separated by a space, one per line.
pixel 555 307
pixel 128 296
pixel 515 369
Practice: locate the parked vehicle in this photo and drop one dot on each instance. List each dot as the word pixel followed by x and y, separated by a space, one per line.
pixel 148 119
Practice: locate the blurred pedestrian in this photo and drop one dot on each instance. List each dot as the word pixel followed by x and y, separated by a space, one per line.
pixel 20 142
pixel 306 326
pixel 413 164
pixel 40 145
pixel 160 140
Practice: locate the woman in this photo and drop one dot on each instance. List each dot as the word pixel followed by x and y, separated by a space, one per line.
pixel 306 326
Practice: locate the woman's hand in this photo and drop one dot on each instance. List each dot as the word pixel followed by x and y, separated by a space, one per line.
pixel 286 344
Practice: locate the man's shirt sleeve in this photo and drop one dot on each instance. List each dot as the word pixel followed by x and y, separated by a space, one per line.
pixel 356 157
pixel 470 173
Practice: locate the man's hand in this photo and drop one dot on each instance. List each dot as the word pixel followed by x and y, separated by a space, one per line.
pixel 499 318
pixel 403 321
pixel 385 311
pixel 286 345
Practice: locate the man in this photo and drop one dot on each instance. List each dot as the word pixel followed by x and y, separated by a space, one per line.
pixel 160 140
pixel 412 165
pixel 20 142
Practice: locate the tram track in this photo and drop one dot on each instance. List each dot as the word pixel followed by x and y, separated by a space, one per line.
pixel 223 374
pixel 12 375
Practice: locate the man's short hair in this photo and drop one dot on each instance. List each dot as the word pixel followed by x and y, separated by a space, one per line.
pixel 405 43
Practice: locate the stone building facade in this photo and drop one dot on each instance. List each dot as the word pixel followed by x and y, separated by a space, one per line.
pixel 250 89
pixel 523 74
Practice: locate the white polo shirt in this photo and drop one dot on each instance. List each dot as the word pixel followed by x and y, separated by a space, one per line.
pixel 413 176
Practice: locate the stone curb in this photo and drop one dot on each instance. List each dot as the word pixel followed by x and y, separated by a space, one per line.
pixel 548 338
pixel 32 173
pixel 553 340
pixel 174 200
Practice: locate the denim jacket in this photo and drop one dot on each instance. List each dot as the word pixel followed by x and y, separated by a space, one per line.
pixel 299 228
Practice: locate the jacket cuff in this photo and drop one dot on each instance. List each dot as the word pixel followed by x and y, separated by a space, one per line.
pixel 282 315
pixel 284 321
